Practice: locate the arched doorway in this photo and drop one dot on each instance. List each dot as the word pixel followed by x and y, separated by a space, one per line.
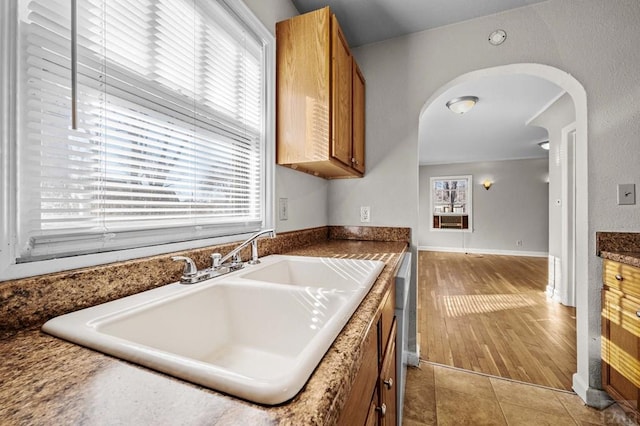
pixel 580 212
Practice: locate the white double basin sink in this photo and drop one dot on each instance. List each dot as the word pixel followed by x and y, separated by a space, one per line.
pixel 257 333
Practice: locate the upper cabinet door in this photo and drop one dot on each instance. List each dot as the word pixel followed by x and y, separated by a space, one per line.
pixel 303 88
pixel 358 119
pixel 341 91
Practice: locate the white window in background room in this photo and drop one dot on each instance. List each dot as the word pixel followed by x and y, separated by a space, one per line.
pixel 451 198
pixel 156 132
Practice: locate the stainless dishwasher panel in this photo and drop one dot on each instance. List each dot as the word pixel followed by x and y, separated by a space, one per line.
pixel 403 283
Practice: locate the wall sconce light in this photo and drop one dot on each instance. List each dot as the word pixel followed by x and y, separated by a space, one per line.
pixel 487 184
pixel 462 104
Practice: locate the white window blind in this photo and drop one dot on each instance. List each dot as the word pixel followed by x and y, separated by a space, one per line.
pixel 170 136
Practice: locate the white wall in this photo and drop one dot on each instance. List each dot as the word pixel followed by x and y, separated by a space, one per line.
pixel 513 209
pixel 272 11
pixel 557 116
pixel 306 194
pixel 595 41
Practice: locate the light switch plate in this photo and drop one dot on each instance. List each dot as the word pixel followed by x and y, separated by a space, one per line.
pixel 626 194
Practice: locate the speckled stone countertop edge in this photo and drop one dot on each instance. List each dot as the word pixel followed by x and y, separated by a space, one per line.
pixel 628 258
pixel 319 402
pixel 623 247
pixel 617 242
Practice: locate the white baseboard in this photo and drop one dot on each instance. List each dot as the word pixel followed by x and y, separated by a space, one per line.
pixel 413 359
pixel 593 397
pixel 553 294
pixel 485 251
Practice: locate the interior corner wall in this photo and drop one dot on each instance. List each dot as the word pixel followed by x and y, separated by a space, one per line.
pixel 307 195
pixel 514 209
pixel 556 117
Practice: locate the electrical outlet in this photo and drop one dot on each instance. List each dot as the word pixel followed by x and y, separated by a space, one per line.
pixel 519 243
pixel 365 214
pixel 283 208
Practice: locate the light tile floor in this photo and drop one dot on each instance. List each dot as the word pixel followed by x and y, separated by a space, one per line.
pixel 440 395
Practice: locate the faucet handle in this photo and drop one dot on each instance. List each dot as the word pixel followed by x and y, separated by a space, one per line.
pixel 190 268
pixel 236 260
pixel 215 260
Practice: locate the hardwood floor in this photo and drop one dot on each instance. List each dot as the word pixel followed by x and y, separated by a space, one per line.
pixel 490 314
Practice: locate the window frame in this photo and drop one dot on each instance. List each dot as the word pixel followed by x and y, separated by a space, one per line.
pixel 468 203
pixel 9 269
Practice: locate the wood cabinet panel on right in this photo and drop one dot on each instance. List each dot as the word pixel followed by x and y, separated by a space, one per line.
pixel 621 333
pixel 373 396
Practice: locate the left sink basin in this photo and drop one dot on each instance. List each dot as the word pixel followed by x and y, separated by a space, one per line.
pixel 256 340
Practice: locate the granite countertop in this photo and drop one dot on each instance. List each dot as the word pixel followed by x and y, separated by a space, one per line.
pixel 46 380
pixel 623 247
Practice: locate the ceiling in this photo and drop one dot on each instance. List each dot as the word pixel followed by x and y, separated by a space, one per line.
pixel 496 128
pixel 369 21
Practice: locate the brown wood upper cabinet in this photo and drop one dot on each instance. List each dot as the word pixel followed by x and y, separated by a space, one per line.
pixel 320 126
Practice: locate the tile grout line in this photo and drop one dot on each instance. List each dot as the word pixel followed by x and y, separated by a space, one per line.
pixel 506 379
pixel 575 420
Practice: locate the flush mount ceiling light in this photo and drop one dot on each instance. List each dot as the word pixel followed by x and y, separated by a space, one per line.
pixel 462 104
pixel 497 37
pixel 544 145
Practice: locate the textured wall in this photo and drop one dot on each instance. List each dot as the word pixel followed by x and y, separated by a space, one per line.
pixel 592 40
pixel 513 209
pixel 554 119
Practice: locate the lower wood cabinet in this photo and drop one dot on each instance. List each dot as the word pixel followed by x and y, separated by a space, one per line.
pixel 372 416
pixel 359 403
pixel 372 400
pixel 621 334
pixel 387 383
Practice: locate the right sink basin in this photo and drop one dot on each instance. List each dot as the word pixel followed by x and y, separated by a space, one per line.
pixel 317 272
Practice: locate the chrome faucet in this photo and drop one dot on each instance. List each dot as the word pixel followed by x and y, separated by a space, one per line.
pixel 191 274
pixel 234 255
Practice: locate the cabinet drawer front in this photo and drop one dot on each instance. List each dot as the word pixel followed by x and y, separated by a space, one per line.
pixel 621 336
pixel 625 278
pixel 622 311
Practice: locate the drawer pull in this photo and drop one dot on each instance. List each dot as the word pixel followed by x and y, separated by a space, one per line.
pixel 389 382
pixel 619 277
pixel 382 409
pixel 638 314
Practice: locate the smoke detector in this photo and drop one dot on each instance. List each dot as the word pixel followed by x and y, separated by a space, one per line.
pixel 497 37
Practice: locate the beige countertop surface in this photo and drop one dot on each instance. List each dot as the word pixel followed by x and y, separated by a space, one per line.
pixel 46 380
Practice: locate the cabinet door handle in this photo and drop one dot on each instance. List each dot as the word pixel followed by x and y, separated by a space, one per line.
pixel 638 314
pixel 382 409
pixel 388 383
pixel 619 277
